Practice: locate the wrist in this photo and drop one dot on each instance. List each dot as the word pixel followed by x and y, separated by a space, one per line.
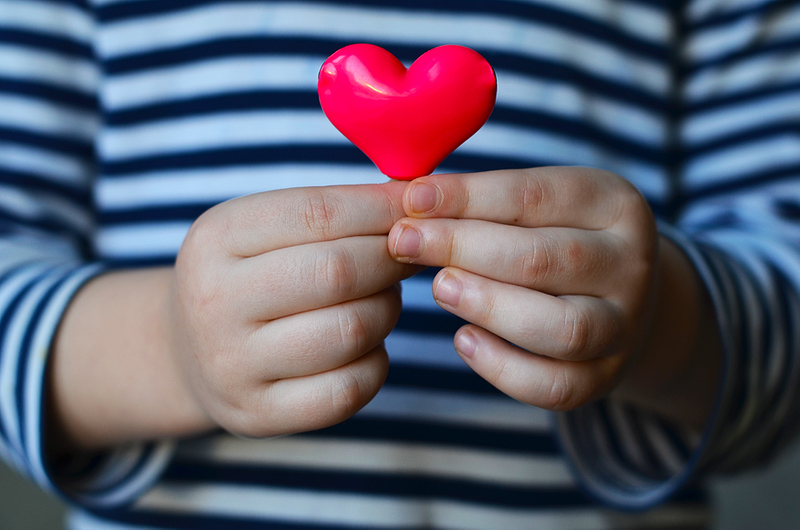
pixel 113 377
pixel 677 370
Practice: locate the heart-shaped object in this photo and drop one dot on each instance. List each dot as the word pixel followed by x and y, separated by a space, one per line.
pixel 407 120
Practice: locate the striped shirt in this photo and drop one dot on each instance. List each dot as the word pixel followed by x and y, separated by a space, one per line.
pixel 121 121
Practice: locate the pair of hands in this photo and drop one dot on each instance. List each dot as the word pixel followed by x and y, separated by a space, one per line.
pixel 281 300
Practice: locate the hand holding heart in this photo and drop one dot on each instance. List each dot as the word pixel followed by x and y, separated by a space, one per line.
pixel 282 299
pixel 281 302
pixel 559 262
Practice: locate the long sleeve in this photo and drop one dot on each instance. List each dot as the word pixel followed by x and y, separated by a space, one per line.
pixel 48 121
pixel 738 220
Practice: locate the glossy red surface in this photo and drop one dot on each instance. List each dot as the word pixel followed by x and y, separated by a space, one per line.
pixel 407 121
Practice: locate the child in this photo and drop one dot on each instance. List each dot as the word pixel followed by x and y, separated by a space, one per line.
pixel 649 302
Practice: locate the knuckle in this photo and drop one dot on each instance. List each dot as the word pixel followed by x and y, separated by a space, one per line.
pixel 356 384
pixel 211 231
pixel 451 248
pixel 562 394
pixel 463 198
pixel 577 333
pixel 336 272
pixel 485 309
pixel 353 330
pixel 537 263
pixel 547 259
pixel 319 214
pixel 531 196
pixel 347 395
pixel 574 254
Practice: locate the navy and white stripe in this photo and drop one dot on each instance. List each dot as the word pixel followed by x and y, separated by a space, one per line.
pixel 49 119
pixel 121 121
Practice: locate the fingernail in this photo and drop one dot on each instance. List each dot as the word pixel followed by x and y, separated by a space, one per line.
pixel 448 290
pixel 466 344
pixel 407 243
pixel 422 198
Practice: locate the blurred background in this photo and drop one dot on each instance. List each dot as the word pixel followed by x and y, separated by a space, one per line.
pixel 768 499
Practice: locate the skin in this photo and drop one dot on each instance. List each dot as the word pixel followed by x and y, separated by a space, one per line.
pixel 272 320
pixel 571 293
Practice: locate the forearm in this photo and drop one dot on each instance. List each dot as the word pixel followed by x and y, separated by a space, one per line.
pixel 678 369
pixel 112 378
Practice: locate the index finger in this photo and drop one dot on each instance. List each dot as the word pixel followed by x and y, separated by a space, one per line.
pixel 573 197
pixel 259 223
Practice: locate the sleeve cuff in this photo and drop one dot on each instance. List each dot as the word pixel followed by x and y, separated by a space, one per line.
pixel 114 478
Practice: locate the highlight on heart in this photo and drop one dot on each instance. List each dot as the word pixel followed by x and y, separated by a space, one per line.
pixel 407 121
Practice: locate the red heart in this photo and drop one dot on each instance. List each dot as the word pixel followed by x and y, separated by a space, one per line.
pixel 407 121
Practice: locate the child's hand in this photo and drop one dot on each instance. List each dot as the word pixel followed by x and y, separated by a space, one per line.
pixel 560 262
pixel 281 302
